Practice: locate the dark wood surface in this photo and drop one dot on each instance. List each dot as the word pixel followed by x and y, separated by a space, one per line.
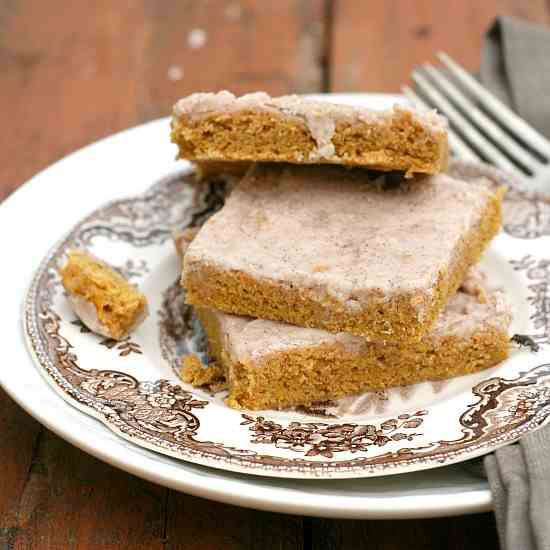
pixel 72 72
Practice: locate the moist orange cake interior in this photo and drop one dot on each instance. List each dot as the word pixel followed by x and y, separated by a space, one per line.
pixel 257 127
pixel 273 365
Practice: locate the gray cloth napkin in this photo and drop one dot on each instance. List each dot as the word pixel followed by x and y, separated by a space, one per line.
pixel 516 67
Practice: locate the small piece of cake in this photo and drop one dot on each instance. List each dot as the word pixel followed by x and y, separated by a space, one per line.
pixel 323 247
pixel 270 365
pixel 194 373
pixel 102 298
pixel 257 127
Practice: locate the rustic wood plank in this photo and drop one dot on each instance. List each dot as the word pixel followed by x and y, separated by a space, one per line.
pixel 72 500
pixel 242 46
pixel 462 533
pixel 67 499
pixel 67 84
pixel 198 524
pixel 18 435
pixel 374 49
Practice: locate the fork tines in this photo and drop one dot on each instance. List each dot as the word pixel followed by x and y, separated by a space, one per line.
pixel 482 127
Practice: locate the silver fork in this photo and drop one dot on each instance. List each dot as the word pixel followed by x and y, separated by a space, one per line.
pixel 482 127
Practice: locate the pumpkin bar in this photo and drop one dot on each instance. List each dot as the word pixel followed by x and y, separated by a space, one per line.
pixel 257 127
pixel 271 365
pixel 324 247
pixel 101 297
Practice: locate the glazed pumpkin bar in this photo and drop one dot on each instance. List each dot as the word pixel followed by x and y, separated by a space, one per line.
pixel 257 127
pixel 324 247
pixel 271 365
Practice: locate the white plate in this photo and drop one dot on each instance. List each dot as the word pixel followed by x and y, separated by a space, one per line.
pixel 128 163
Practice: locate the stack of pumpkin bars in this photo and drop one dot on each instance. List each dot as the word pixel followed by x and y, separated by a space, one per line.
pixel 344 258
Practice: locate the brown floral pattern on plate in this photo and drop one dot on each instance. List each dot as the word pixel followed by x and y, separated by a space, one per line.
pixel 124 347
pixel 318 438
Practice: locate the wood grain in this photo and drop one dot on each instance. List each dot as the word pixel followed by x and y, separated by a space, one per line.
pixel 72 500
pixel 197 524
pixel 376 45
pixel 18 437
pixel 242 46
pixel 462 533
pixel 65 83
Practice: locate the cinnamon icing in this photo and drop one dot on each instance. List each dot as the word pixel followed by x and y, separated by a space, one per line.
pixel 331 231
pixel 320 117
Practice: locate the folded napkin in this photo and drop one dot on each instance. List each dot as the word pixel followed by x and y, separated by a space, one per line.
pixel 516 67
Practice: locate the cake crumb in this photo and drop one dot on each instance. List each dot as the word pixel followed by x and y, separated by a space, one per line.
pixel 195 373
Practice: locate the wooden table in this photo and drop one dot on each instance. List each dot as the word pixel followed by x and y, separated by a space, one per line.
pixel 72 72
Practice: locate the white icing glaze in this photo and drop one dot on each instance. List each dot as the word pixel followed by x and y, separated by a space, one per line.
pixel 320 117
pixel 329 231
pixel 321 129
pixel 87 313
pixel 475 308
